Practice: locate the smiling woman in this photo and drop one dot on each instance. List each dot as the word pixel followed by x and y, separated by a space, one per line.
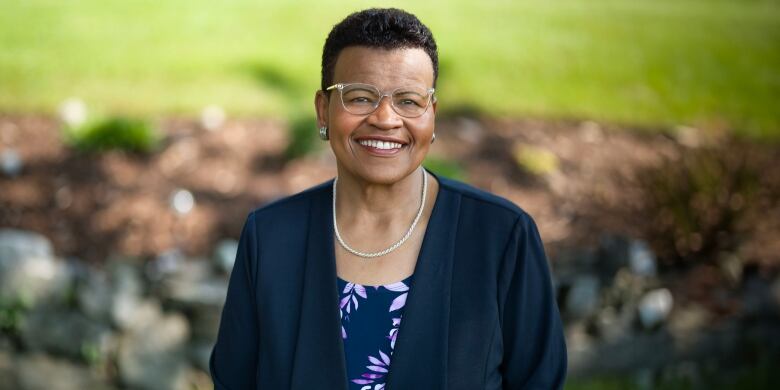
pixel 387 276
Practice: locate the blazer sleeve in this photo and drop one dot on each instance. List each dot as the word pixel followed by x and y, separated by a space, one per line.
pixel 233 359
pixel 533 341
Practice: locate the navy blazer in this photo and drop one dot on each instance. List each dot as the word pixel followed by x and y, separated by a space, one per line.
pixel 480 314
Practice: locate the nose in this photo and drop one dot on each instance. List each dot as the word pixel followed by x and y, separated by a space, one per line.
pixel 385 117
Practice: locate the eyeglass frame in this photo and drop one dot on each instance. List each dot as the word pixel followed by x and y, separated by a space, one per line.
pixel 340 87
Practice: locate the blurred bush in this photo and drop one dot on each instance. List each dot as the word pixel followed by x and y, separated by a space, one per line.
pixel 445 167
pixel 122 133
pixel 304 136
pixel 698 203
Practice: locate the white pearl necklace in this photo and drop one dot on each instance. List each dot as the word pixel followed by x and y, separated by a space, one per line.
pixel 392 247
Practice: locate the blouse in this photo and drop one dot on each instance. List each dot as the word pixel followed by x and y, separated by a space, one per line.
pixel 370 319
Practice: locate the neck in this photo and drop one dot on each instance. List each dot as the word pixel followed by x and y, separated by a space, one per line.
pixel 377 203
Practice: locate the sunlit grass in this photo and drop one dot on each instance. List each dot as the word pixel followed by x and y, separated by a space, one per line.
pixel 655 63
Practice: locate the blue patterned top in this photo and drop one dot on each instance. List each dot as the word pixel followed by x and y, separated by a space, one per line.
pixel 370 318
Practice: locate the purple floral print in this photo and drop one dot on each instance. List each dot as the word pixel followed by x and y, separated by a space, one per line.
pixel 376 324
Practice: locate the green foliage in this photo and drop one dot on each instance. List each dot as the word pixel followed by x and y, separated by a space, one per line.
pixel 444 167
pixel 12 314
pixel 535 160
pixel 132 135
pixel 304 137
pixel 647 62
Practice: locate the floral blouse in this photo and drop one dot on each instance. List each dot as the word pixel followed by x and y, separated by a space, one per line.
pixel 370 318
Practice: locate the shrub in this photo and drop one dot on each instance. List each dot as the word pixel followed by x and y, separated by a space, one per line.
pixel 121 133
pixel 696 205
pixel 304 137
pixel 444 167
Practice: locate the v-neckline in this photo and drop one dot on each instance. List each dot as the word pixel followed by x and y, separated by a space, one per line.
pixel 432 220
pixel 423 333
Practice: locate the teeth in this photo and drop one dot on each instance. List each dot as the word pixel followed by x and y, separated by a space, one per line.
pixel 380 144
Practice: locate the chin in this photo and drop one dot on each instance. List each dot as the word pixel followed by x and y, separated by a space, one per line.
pixel 383 175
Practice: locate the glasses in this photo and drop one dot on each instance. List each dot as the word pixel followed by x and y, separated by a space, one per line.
pixel 363 99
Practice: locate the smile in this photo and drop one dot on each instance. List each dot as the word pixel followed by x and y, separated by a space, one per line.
pixel 383 145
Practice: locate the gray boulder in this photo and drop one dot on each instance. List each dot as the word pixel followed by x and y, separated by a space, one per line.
pixel 28 269
pixel 154 357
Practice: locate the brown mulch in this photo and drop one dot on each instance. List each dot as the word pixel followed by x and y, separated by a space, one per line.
pixel 92 206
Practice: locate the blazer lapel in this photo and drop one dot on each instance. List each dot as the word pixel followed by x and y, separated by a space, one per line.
pixel 419 360
pixel 319 353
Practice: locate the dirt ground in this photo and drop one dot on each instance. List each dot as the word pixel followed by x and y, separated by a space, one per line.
pixel 91 206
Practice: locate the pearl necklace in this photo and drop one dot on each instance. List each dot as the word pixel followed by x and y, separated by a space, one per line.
pixel 392 247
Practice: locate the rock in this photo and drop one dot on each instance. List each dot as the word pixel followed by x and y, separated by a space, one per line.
pixel 194 290
pixel 200 354
pixel 153 357
pixel 28 271
pixel 7 370
pixel 641 259
pixel 10 163
pixel 212 118
pixel 687 320
pixel 127 295
pixel 74 334
pixel 182 201
pixel 39 372
pixel 583 296
pixel 613 254
pixel 614 325
pixel 16 244
pixel 94 295
pixel 225 255
pixel 73 112
pixel 654 307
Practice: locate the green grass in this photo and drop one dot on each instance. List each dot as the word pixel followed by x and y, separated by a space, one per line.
pixel 709 63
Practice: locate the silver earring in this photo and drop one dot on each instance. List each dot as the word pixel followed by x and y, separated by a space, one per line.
pixel 434 138
pixel 324 133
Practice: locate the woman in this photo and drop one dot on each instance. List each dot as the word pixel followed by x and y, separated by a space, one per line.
pixel 388 276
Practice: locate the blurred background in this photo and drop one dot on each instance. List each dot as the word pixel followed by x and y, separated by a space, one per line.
pixel 136 136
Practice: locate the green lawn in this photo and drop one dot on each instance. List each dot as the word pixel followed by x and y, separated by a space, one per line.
pixel 647 62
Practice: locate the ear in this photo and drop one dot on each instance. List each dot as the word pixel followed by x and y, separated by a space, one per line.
pixel 434 104
pixel 321 103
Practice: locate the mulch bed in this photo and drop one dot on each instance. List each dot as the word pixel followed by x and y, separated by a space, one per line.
pixel 92 206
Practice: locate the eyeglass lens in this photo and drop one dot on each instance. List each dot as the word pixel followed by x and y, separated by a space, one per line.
pixel 363 99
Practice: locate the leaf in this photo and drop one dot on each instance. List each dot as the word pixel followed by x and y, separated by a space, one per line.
pixel 355 301
pixel 347 288
pixel 398 302
pixel 362 381
pixel 397 287
pixel 385 358
pixel 375 361
pixel 360 290
pixel 372 376
pixel 343 333
pixel 377 368
pixel 344 301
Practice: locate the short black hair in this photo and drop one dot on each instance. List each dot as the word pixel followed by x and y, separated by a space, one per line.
pixel 385 28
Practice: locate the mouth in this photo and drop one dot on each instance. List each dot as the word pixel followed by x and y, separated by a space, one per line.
pixel 380 147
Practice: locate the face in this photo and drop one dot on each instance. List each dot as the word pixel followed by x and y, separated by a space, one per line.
pixel 351 135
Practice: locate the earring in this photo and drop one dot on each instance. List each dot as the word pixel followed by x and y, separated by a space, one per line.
pixel 324 133
pixel 434 138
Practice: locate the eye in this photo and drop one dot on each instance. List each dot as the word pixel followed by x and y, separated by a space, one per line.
pixel 359 99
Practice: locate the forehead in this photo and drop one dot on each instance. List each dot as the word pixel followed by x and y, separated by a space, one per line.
pixel 383 68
